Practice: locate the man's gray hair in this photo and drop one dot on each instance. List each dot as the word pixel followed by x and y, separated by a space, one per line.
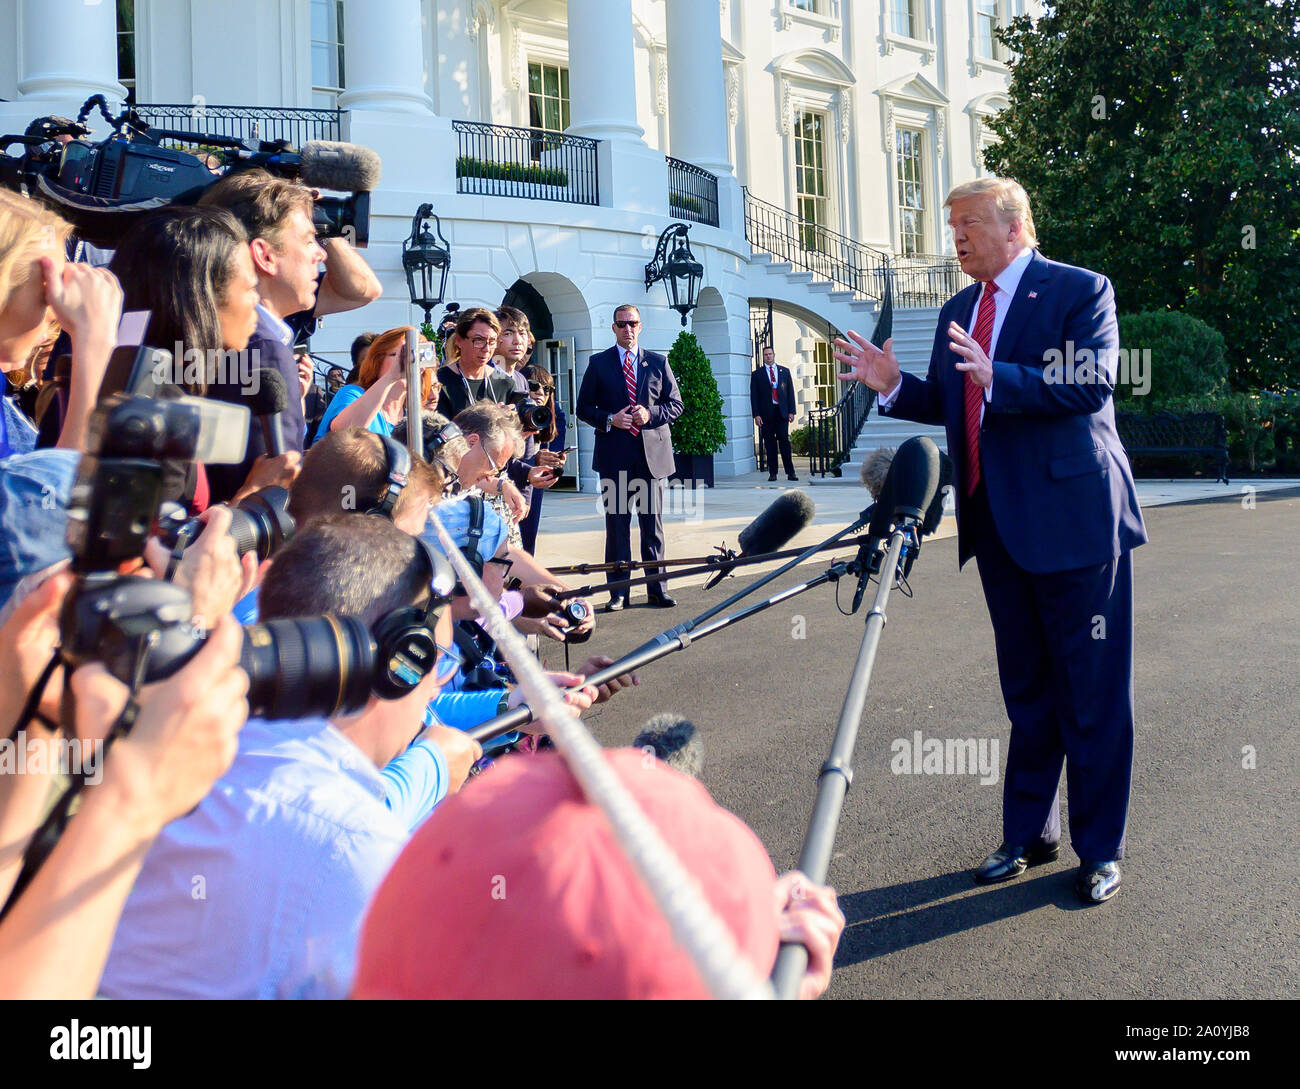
pixel 494 424
pixel 1009 197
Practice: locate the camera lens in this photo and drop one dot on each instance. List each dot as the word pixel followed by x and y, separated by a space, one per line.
pixel 262 523
pixel 313 666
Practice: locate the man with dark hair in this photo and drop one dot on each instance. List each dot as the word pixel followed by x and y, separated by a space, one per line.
pixel 277 214
pixel 630 397
pixel 514 345
pixel 359 348
pixel 259 891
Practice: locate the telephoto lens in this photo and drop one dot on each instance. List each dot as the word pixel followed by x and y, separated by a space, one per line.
pixel 313 666
pixel 261 523
pixel 533 417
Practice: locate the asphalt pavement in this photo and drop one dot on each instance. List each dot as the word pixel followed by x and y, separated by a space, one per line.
pixel 1208 905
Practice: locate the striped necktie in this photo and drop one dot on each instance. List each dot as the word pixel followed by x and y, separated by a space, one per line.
pixel 629 376
pixel 974 394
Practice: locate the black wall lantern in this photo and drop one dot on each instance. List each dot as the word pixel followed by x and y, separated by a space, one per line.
pixel 678 269
pixel 425 262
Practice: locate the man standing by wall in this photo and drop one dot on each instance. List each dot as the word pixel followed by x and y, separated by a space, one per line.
pixel 630 397
pixel 1046 505
pixel 771 399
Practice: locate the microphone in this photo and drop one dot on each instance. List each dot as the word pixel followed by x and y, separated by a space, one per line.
pixel 916 475
pixel 271 399
pixel 675 741
pixel 934 515
pixel 784 519
pixel 875 470
pixel 871 552
pixel 329 164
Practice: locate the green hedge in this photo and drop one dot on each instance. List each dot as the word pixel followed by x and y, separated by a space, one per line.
pixel 799 441
pixel 686 203
pixel 1188 358
pixel 469 167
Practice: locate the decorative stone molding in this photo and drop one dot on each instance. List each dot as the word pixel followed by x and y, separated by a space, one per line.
pixel 517 64
pixel 890 128
pixel 733 95
pixel 661 80
pixel 940 132
pixel 844 103
pixel 787 108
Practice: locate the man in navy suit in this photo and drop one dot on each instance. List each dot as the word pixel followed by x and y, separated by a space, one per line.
pixel 1021 376
pixel 630 397
pixel 771 399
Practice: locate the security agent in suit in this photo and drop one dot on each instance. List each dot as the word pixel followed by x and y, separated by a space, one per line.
pixel 771 400
pixel 634 445
pixel 1046 505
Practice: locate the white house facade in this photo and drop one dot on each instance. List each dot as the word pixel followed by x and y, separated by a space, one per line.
pixel 556 141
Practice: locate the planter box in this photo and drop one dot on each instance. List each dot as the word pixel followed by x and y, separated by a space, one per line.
pixel 693 468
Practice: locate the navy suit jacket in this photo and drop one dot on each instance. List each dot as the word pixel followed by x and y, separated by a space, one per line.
pixel 1058 480
pixel 760 392
pixel 604 392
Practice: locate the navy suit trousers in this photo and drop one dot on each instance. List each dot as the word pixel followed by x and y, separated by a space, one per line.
pixel 1065 660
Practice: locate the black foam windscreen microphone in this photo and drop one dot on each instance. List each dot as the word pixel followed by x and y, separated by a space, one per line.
pixel 915 475
pixel 267 402
pixel 934 515
pixel 330 164
pixel 783 520
pixel 675 741
pixel 875 470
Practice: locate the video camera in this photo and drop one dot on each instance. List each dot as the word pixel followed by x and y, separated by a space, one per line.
pixel 102 188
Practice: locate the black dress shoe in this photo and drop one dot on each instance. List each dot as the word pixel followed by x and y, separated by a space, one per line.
pixel 1012 859
pixel 616 604
pixel 794 478
pixel 771 480
pixel 1097 882
pixel 661 601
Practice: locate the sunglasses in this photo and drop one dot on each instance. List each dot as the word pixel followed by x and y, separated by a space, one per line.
pixel 627 324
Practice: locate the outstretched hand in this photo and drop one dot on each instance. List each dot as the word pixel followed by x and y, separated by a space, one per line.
pixel 875 367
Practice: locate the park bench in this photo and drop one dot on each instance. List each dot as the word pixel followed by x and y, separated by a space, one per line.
pixel 1169 435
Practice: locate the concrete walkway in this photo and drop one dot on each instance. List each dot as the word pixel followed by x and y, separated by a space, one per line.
pixel 697 522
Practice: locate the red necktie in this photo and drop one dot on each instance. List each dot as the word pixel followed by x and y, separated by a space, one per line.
pixel 771 377
pixel 974 394
pixel 629 376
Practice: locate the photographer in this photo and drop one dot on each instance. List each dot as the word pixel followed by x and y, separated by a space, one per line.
pixel 550 458
pixel 39 288
pixel 277 214
pixel 296 836
pixel 55 938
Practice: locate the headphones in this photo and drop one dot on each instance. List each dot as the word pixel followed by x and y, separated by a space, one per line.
pixel 399 473
pixel 408 651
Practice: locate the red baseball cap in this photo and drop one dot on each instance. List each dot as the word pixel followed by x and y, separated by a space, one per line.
pixel 515 888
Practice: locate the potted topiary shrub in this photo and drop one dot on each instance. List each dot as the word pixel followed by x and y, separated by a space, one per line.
pixel 699 432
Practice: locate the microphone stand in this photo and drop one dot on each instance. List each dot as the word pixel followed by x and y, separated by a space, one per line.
pixel 837 773
pixel 414 397
pixel 664 645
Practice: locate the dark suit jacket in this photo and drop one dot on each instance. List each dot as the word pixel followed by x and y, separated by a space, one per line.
pixel 604 392
pixel 225 480
pixel 1058 480
pixel 760 392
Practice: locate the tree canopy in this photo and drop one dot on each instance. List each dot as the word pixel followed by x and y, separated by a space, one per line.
pixel 1159 142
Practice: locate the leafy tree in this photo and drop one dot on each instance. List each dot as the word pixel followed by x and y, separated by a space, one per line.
pixel 1159 142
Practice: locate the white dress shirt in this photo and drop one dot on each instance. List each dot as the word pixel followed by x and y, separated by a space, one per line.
pixel 260 891
pixel 1007 281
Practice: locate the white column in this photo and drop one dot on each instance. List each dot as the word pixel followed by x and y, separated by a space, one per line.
pixel 69 50
pixel 383 57
pixel 602 72
pixel 697 96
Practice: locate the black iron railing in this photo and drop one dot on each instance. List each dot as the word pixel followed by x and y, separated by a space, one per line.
pixel 925 279
pixel 692 192
pixel 833 431
pixel 506 161
pixel 293 125
pixel 817 249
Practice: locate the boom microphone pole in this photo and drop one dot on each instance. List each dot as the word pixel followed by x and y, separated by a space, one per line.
pixel 911 488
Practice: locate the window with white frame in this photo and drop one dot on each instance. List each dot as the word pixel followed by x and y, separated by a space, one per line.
pixel 548 96
pixel 989 16
pixel 910 172
pixel 126 47
pixel 807 5
pixel 327 73
pixel 811 190
pixel 825 385
pixel 905 18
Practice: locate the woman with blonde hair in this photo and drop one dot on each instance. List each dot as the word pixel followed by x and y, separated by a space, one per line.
pixel 38 287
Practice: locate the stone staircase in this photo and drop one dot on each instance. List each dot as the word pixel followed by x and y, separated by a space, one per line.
pixel 914 331
pixel 819 299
